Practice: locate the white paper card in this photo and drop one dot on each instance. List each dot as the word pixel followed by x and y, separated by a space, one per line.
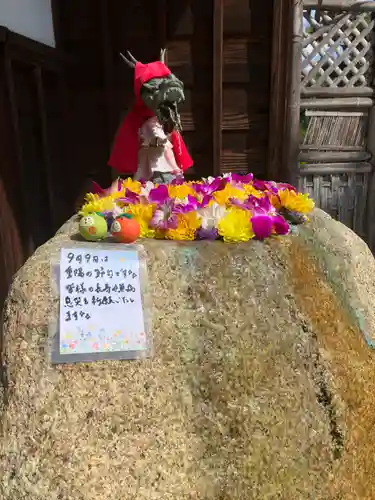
pixel 100 302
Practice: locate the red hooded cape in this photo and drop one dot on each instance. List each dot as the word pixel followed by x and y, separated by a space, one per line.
pixel 124 155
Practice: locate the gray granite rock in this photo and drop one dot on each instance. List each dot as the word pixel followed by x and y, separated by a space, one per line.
pixel 261 387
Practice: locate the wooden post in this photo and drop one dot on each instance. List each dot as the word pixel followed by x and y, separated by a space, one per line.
pixel 370 225
pixel 217 90
pixel 294 96
pixel 276 143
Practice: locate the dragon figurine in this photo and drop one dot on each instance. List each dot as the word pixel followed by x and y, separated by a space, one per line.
pixel 148 143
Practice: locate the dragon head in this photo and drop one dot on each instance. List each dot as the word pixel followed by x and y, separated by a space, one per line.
pixel 162 95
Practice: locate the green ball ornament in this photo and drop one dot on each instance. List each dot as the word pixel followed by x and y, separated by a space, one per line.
pixel 93 227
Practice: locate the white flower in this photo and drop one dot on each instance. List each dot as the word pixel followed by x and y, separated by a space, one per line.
pixel 208 179
pixel 211 215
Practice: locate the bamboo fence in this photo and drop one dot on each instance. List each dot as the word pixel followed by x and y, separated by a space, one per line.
pixel 336 160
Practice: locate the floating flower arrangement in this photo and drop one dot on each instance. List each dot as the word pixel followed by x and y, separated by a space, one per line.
pixel 233 208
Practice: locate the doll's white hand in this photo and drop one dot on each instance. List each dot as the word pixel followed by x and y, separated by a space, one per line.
pixel 158 142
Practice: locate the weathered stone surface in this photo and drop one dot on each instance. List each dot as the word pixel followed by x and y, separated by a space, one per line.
pixel 261 387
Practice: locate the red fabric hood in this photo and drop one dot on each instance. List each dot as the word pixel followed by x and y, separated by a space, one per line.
pixel 124 155
pixel 145 72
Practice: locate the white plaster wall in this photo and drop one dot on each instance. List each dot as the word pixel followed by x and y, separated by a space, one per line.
pixel 31 18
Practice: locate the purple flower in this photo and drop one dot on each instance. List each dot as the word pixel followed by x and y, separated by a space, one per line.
pixel 245 205
pixel 159 195
pixel 265 219
pixel 265 186
pixel 265 225
pixel 262 205
pixel 130 197
pixel 210 187
pixel 242 179
pixel 259 206
pixel 184 208
pixel 192 204
pixel 164 217
pixel 206 234
pixel 281 186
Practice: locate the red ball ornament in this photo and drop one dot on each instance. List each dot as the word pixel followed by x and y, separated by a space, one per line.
pixel 125 229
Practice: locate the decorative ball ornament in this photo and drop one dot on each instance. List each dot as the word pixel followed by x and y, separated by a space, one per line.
pixel 93 227
pixel 125 229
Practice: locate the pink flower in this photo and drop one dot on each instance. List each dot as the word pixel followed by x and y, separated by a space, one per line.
pixel 255 205
pixel 263 217
pixel 262 226
pixel 281 186
pixel 210 187
pixel 159 195
pixel 192 204
pixel 265 225
pixel 241 179
pixel 280 225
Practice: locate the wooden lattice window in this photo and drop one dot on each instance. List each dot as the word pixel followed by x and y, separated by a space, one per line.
pixel 337 49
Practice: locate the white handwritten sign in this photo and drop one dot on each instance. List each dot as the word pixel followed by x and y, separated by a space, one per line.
pixel 100 302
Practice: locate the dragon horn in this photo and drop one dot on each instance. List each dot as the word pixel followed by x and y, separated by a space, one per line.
pixel 131 62
pixel 162 55
pixel 131 57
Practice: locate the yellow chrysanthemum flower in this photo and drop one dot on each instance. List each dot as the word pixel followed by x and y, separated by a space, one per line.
pixel 235 226
pixel 143 215
pixel 187 226
pixel 90 197
pixel 180 191
pixel 222 197
pixel 132 185
pixel 296 202
pixel 96 204
pixel 251 191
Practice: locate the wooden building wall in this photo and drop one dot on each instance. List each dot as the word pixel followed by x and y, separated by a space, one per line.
pixel 220 49
pixel 247 28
